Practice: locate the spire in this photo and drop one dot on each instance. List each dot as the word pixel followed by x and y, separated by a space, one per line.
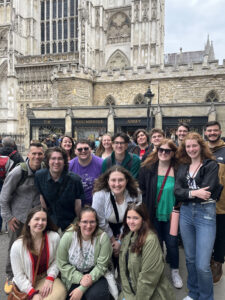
pixel 207 46
pixel 211 52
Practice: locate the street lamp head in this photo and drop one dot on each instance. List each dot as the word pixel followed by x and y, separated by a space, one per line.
pixel 149 94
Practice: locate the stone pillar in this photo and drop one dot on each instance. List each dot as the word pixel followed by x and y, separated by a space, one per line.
pixel 68 122
pixel 158 118
pixel 110 120
pixel 212 113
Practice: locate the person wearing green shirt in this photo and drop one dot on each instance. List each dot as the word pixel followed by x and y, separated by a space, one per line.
pixel 160 165
pixel 120 156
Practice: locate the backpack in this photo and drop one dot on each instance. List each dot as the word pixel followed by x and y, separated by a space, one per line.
pixel 24 169
pixel 4 165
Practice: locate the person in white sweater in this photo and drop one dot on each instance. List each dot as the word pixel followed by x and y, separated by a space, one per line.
pixel 113 191
pixel 39 235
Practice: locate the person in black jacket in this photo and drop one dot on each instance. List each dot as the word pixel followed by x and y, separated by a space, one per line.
pixel 158 174
pixel 197 188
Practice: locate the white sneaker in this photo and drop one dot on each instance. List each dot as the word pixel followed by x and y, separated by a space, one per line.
pixel 176 279
pixel 188 298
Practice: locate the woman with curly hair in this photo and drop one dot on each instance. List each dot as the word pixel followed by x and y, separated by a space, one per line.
pixel 113 190
pixel 156 180
pixel 197 188
pixel 141 259
pixel 105 148
pixel 67 144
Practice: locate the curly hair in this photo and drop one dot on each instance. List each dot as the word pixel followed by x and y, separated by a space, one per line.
pixel 102 182
pixel 152 158
pixel 26 234
pixel 137 132
pixel 48 154
pixel 72 150
pixel 100 150
pixel 182 155
pixel 76 226
pixel 146 226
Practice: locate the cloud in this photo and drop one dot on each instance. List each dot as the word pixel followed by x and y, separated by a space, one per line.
pixel 187 24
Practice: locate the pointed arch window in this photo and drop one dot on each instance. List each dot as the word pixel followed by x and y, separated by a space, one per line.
pixel 139 99
pixel 110 101
pixel 212 96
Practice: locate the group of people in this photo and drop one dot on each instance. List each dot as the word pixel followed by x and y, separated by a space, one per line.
pixel 112 211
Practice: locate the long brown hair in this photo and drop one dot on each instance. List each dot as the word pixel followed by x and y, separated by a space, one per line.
pixel 153 156
pixel 100 150
pixel 72 150
pixel 102 182
pixel 146 226
pixel 182 155
pixel 76 227
pixel 26 234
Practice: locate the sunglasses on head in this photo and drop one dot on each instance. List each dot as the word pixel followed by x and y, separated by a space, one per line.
pixel 167 151
pixel 81 149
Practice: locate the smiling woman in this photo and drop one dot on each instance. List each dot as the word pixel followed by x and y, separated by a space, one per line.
pixel 39 242
pixel 83 256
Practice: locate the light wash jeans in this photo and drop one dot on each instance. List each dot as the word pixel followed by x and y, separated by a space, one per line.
pixel 198 231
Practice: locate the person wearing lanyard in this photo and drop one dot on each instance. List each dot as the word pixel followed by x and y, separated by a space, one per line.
pixel 156 180
pixel 197 188
pixel 113 190
pixel 83 256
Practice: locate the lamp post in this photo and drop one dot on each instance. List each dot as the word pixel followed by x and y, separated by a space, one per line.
pixel 149 95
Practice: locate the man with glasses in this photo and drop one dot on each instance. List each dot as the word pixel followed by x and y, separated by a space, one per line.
pixel 182 131
pixel 88 166
pixel 61 191
pixel 120 155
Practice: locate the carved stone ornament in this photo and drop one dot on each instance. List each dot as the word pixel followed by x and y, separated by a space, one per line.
pixel 119 29
pixel 118 60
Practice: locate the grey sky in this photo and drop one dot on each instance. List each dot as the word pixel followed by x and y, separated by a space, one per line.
pixel 188 23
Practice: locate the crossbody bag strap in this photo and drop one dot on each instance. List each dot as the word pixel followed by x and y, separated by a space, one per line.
pixel 163 184
pixel 38 261
pixel 114 207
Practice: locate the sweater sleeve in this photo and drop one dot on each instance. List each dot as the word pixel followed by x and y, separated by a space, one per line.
pixel 152 267
pixel 53 270
pixel 20 278
pixel 8 189
pixel 69 273
pixel 103 258
pixel 98 203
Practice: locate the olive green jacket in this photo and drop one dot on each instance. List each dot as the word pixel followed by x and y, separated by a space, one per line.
pixel 146 271
pixel 102 256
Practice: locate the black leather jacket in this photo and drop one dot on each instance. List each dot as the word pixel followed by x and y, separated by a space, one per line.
pixel 206 176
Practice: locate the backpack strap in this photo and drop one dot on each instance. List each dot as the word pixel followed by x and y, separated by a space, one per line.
pixel 12 153
pixel 114 207
pixel 24 175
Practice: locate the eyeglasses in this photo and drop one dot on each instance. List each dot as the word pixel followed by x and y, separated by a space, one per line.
pixel 166 151
pixel 88 222
pixel 119 143
pixel 81 149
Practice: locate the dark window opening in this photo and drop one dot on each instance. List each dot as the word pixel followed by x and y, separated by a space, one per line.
pixel 47 31
pixel 47 10
pixel 71 28
pixel 42 48
pixel 59 8
pixel 65 47
pixel 65 29
pixel 42 32
pixel 59 30
pixel 42 10
pixel 54 30
pixel 54 47
pixel 60 47
pixel 48 48
pixel 54 9
pixel 65 8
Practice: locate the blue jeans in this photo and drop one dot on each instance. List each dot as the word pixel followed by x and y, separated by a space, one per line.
pixel 198 231
pixel 163 230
